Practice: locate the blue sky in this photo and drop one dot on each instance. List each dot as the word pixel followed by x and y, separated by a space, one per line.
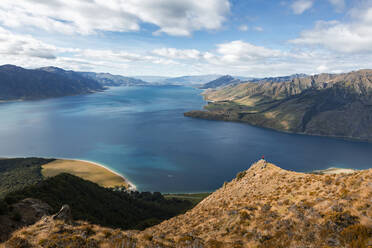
pixel 188 37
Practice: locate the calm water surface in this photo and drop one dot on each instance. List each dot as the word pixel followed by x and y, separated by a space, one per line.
pixel 141 132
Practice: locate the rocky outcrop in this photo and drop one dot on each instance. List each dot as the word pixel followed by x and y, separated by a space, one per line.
pixel 64 214
pixel 23 213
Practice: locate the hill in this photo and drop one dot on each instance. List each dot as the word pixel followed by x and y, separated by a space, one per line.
pixel 190 80
pixel 264 206
pixel 336 105
pixel 221 81
pixel 17 83
pixel 107 79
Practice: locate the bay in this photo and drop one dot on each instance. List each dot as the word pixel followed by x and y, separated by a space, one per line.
pixel 141 132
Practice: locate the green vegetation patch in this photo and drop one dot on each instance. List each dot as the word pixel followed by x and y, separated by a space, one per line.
pixel 18 173
pixel 195 198
pixel 98 205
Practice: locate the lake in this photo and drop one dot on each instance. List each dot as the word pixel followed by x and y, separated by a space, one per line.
pixel 141 132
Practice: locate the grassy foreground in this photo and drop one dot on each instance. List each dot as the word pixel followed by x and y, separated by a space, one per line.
pixel 86 170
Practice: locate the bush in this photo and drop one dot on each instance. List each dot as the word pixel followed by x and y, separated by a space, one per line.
pixel 4 208
pixel 16 216
pixel 356 236
pixel 240 175
pixel 17 242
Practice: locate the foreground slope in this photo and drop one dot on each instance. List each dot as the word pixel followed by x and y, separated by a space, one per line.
pixel 338 105
pixel 264 206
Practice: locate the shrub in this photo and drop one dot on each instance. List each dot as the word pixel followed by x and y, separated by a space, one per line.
pixel 240 175
pixel 356 236
pixel 18 242
pixel 3 207
pixel 16 216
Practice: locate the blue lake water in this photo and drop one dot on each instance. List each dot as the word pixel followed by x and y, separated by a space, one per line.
pixel 141 132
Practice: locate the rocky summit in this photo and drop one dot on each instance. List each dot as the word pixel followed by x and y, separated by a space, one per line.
pixel 264 206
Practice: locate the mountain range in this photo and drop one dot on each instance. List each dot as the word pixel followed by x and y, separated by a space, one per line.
pixel 107 79
pixel 17 83
pixel 230 80
pixel 337 105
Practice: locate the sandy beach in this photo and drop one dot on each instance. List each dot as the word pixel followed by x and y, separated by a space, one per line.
pixel 87 170
pixel 333 170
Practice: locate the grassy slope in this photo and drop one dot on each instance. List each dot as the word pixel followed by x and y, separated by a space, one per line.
pixel 85 170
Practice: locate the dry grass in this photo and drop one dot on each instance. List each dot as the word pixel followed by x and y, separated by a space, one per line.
pixel 85 170
pixel 264 206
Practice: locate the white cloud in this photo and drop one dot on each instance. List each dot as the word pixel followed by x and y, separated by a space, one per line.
pixel 238 50
pixel 23 45
pixel 174 53
pixel 347 37
pixel 258 28
pixel 300 6
pixel 338 4
pixel 243 28
pixel 86 17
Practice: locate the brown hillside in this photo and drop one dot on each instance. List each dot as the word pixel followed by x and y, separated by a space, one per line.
pixel 335 105
pixel 264 206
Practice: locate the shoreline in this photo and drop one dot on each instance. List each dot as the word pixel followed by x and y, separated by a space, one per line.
pixel 334 170
pixel 132 186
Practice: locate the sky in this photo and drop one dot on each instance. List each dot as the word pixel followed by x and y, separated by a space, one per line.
pixel 254 38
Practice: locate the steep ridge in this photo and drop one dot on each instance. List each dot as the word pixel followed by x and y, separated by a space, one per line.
pixel 264 206
pixel 338 105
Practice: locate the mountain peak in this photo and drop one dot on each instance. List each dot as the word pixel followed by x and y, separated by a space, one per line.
pixel 10 67
pixel 221 81
pixel 52 69
pixel 266 206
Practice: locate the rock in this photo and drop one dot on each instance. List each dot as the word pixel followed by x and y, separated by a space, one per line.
pixel 64 214
pixel 29 211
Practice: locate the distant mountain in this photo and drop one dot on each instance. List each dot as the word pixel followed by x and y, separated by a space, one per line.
pixel 221 81
pixel 186 80
pixel 277 79
pixel 190 80
pixel 17 83
pixel 107 79
pixel 152 79
pixel 229 80
pixel 337 105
